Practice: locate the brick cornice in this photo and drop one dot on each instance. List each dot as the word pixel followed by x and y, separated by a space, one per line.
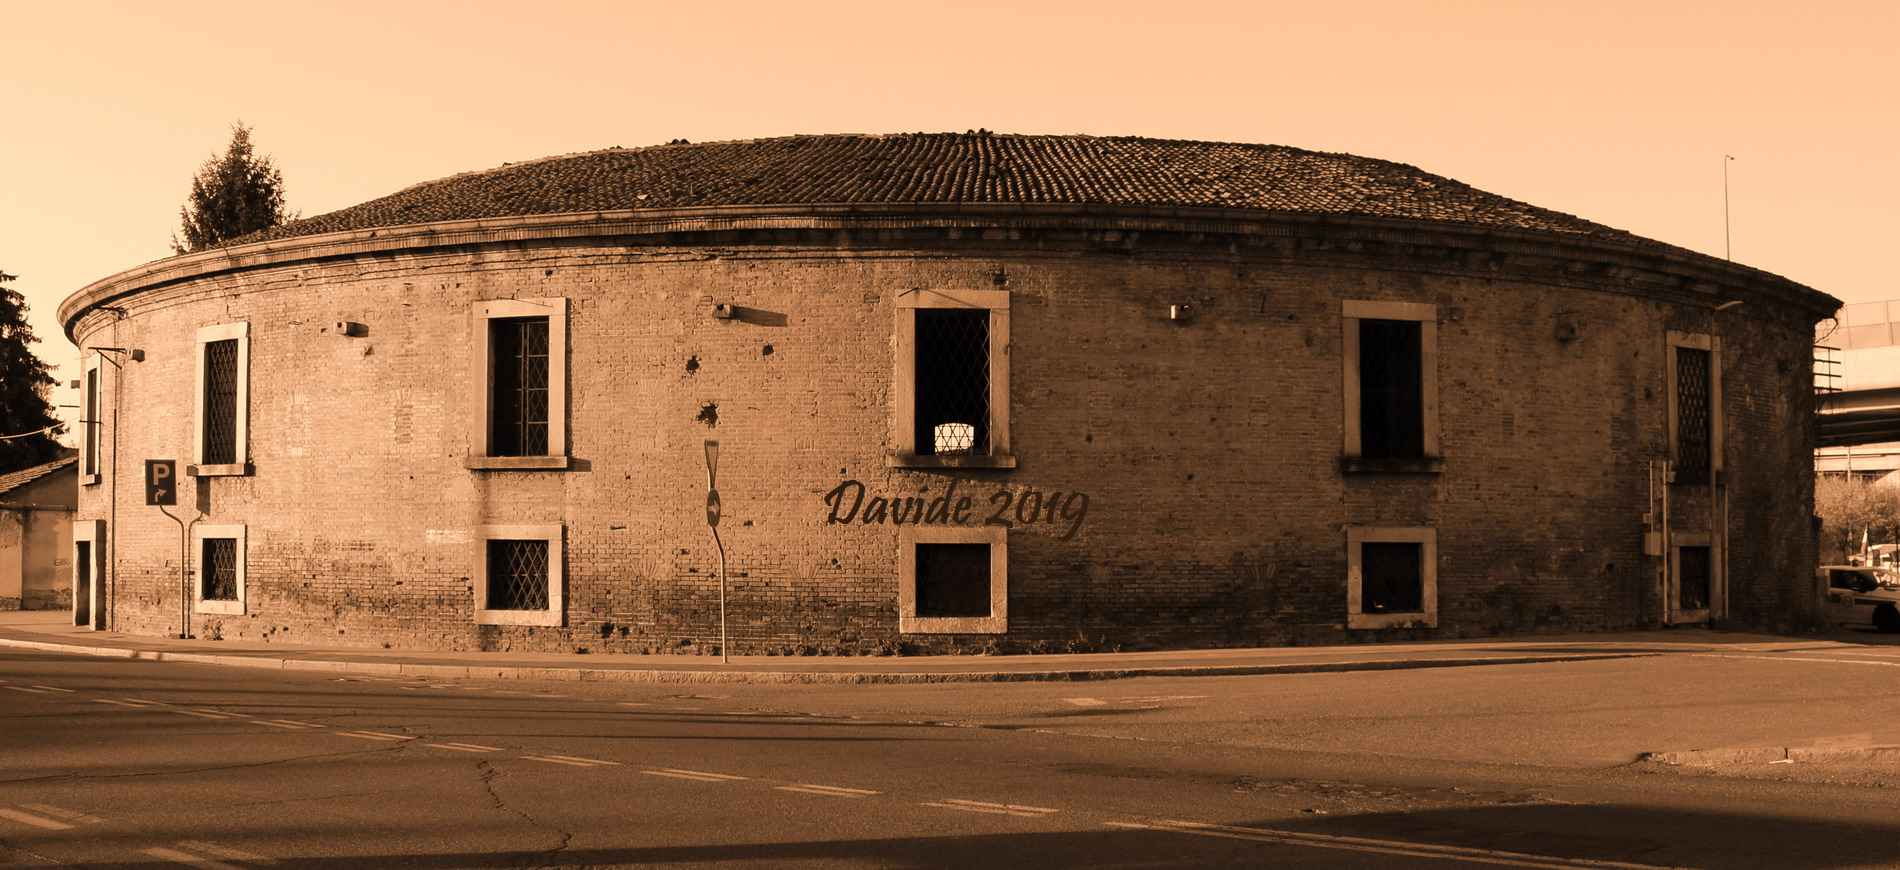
pixel 1586 257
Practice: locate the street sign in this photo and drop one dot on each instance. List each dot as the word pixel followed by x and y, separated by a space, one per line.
pixel 161 481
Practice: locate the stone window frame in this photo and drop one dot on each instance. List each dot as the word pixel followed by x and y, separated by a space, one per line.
pixel 199 533
pixel 482 381
pixel 1352 311
pixel 241 431
pixel 1672 593
pixel 1427 539
pixel 904 378
pixel 555 535
pixel 90 404
pixel 1713 345
pixel 908 622
pixel 93 533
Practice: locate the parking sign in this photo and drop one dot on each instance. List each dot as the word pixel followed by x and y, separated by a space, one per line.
pixel 161 481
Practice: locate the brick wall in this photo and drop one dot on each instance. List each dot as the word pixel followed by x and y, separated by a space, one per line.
pixel 1208 451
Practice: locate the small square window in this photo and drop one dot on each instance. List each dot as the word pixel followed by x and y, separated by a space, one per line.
pixel 1391 577
pixel 222 423
pixel 1390 387
pixel 519 576
pixel 218 568
pixel 520 406
pixel 953 580
pixel 952 379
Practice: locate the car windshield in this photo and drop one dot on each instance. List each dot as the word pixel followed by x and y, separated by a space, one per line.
pixel 1852 578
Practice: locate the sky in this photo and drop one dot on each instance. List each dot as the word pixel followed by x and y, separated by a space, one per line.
pixel 1619 112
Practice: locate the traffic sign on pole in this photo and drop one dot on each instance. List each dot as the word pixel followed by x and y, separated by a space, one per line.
pixel 161 481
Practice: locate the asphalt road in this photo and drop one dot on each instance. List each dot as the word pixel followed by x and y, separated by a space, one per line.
pixel 117 763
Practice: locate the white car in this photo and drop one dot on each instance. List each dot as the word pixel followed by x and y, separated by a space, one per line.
pixel 1855 596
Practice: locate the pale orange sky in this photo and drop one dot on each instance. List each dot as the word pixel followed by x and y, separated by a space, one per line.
pixel 1613 111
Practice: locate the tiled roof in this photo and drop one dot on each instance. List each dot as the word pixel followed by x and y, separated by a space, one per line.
pixel 927 168
pixel 14 480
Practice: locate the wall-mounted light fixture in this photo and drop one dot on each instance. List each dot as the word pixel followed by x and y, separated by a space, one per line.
pixel 135 354
pixel 723 311
pixel 1181 313
pixel 349 329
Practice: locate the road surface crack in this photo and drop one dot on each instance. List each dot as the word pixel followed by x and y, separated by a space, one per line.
pixel 488 774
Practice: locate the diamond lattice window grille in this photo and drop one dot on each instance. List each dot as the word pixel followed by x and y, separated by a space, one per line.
pixel 1693 416
pixel 220 402
pixel 953 381
pixel 517 575
pixel 520 420
pixel 92 421
pixel 219 570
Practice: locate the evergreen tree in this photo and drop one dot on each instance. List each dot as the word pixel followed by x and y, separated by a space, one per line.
pixel 23 384
pixel 234 194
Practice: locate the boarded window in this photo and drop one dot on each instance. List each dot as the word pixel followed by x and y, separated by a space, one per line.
pixel 953 381
pixel 1693 415
pixel 517 575
pixel 1391 577
pixel 92 422
pixel 220 402
pixel 953 579
pixel 519 425
pixel 1692 578
pixel 1391 390
pixel 218 571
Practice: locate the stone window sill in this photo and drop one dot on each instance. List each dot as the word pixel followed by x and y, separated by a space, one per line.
pixel 88 480
pixel 1363 465
pixel 234 469
pixel 516 463
pixel 921 460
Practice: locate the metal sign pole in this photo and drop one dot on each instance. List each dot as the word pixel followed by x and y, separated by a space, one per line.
pixel 161 489
pixel 712 522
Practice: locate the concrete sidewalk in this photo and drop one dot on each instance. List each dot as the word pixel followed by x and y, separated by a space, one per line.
pixel 51 630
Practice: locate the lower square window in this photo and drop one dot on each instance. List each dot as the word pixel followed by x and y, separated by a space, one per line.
pixel 953 580
pixel 1391 577
pixel 218 568
pixel 519 575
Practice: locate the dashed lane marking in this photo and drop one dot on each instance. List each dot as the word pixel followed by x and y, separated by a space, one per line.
pixel 146 702
pixel 296 722
pixel 228 713
pixel 373 735
pixel 1086 702
pixel 695 775
pixel 189 860
pixel 828 790
pixel 27 689
pixel 203 714
pixel 1017 810
pixel 223 851
pixel 572 760
pixel 1377 846
pixel 1803 659
pixel 285 724
pixel 465 747
pixel 118 703
pixel 26 818
pixel 73 816
pixel 55 689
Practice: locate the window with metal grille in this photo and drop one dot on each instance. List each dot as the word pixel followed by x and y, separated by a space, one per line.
pixel 92 421
pixel 1692 578
pixel 519 422
pixel 953 579
pixel 220 402
pixel 517 575
pixel 218 570
pixel 953 381
pixel 1391 403
pixel 1692 415
pixel 1391 577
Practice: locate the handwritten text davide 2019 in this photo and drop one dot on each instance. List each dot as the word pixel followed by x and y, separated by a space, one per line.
pixel 849 504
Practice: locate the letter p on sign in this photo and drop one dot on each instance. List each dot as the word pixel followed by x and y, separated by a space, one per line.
pixel 161 481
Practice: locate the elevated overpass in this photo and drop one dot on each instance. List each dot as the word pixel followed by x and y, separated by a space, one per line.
pixel 1849 418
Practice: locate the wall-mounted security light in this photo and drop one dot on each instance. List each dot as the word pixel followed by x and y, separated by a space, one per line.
pixel 1181 313
pixel 133 353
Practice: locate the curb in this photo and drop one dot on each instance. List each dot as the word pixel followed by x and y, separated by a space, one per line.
pixel 1861 748
pixel 636 675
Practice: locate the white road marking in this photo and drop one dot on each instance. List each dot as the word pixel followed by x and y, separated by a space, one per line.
pixel 68 815
pixel 228 713
pixel 294 723
pixel 55 689
pixel 202 714
pixel 1017 810
pixel 373 735
pixel 28 690
pixel 571 760
pixel 828 790
pixel 119 703
pixel 695 775
pixel 1766 659
pixel 35 821
pixel 190 860
pixel 635 704
pixel 465 747
pixel 146 702
pixel 226 852
pixel 284 724
pixel 1377 846
pixel 1086 702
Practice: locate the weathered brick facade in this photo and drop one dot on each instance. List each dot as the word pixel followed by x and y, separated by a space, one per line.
pixel 1209 450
